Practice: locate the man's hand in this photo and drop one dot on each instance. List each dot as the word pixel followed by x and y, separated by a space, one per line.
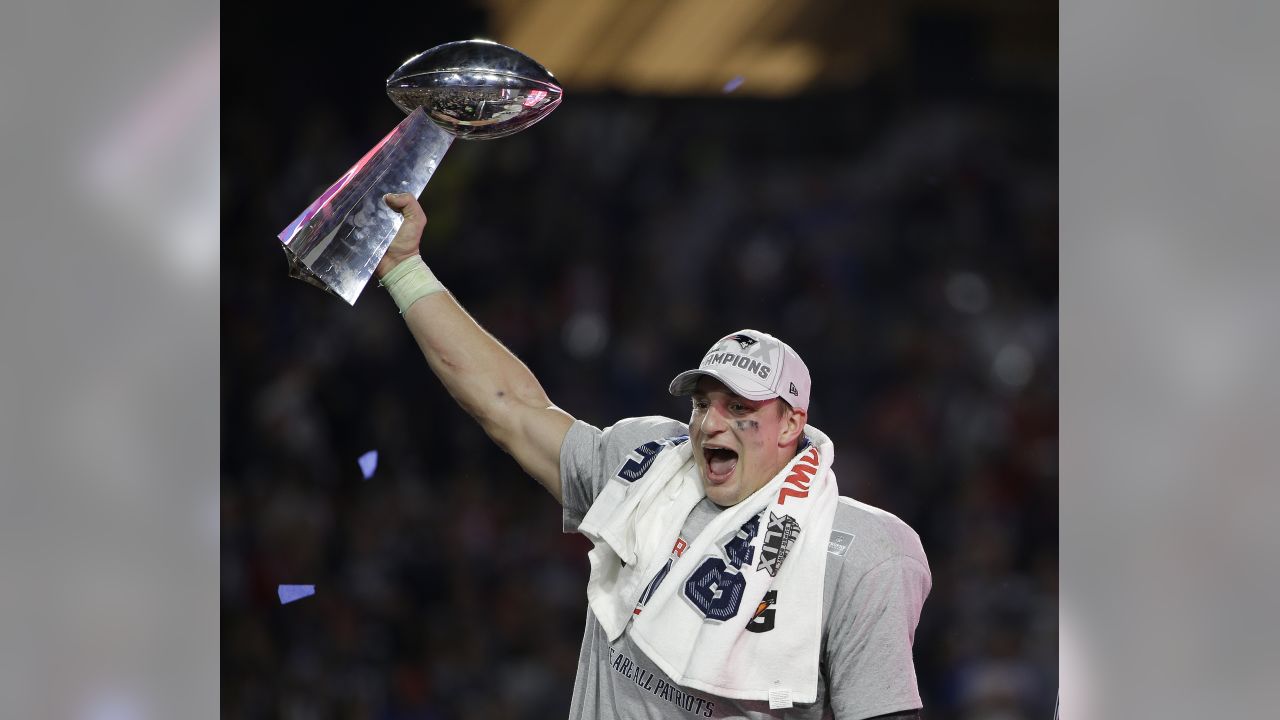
pixel 407 241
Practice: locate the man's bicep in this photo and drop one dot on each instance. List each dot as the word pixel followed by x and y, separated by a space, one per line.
pixel 536 446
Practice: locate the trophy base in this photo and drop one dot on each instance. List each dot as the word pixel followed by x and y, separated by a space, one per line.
pixel 336 243
pixel 302 272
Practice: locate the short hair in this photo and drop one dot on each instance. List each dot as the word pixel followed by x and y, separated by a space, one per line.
pixel 783 407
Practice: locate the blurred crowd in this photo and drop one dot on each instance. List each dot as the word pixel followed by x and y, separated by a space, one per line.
pixel 905 243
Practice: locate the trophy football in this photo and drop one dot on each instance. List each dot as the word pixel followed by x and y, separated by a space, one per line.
pixel 472 89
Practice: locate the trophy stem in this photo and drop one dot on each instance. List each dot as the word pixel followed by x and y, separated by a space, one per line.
pixel 336 243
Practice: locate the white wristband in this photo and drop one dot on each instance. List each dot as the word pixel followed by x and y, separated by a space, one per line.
pixel 410 281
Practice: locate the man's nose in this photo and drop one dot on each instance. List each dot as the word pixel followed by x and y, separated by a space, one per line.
pixel 713 422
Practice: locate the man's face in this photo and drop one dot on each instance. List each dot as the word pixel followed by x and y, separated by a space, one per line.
pixel 740 444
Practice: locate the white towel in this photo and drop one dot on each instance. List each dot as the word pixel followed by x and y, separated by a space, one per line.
pixel 769 577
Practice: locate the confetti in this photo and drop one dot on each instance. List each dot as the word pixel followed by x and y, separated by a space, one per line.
pixel 289 593
pixel 368 463
pixel 734 84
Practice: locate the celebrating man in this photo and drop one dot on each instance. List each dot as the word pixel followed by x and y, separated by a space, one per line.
pixel 728 577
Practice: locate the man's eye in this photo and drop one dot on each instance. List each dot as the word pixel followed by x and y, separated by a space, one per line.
pixel 699 404
pixel 737 407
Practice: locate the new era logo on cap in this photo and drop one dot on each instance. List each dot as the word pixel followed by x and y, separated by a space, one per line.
pixel 753 364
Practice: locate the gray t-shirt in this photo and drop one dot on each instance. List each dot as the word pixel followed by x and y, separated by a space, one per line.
pixel 876 581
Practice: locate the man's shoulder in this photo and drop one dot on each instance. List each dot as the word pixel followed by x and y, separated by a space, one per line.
pixel 866 535
pixel 630 433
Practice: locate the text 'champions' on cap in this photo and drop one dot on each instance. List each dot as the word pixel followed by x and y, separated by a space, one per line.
pixel 755 365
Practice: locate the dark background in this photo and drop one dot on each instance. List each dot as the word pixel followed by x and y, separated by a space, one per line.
pixel 899 231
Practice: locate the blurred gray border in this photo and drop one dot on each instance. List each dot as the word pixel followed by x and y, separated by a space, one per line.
pixel 1169 113
pixel 109 283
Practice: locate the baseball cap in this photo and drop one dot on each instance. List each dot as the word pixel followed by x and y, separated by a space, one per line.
pixel 755 365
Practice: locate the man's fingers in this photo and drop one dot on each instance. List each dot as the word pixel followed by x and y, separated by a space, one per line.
pixel 407 205
pixel 397 201
pixel 403 203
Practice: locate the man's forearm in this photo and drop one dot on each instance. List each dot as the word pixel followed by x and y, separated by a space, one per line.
pixel 485 378
pixel 492 385
pixel 482 375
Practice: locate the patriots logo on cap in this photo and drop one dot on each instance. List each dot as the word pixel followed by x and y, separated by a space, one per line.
pixel 793 390
pixel 751 355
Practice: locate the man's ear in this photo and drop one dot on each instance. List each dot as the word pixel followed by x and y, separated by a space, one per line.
pixel 793 421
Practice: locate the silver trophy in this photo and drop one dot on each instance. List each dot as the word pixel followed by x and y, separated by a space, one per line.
pixel 473 89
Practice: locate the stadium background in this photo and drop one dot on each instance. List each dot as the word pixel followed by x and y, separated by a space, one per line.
pixel 880 190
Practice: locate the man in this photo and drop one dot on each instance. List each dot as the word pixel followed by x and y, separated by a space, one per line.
pixel 728 578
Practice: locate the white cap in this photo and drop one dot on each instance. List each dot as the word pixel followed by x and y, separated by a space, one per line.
pixel 755 365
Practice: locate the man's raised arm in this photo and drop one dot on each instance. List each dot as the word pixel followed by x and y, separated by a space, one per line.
pixel 489 382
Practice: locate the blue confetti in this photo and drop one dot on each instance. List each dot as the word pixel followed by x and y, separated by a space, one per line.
pixel 289 593
pixel 734 84
pixel 368 463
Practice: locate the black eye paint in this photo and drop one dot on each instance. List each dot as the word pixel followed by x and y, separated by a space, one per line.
pixel 745 425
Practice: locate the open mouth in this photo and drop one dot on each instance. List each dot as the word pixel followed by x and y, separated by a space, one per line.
pixel 720 463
